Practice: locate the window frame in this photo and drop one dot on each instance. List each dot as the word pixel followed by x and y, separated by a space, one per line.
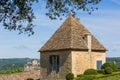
pixel 97 63
pixel 54 63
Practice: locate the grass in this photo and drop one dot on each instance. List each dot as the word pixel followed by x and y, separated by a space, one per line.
pixel 113 76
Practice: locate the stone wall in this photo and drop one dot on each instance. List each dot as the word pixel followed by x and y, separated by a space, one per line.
pixel 70 61
pixel 81 60
pixel 97 56
pixel 65 65
pixel 21 76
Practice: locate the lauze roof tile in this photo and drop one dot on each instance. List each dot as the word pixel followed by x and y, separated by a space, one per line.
pixel 71 35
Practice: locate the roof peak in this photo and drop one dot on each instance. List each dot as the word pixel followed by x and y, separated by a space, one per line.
pixel 71 13
pixel 73 19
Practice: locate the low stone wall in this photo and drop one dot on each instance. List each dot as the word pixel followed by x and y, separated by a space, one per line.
pixel 21 76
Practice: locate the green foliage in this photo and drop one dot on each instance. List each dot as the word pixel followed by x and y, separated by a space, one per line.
pixel 100 71
pixel 86 77
pixel 114 59
pixel 109 64
pixel 90 72
pixel 57 8
pixel 30 79
pixel 69 76
pixel 16 70
pixel 80 75
pixel 15 13
pixel 117 70
pixel 108 70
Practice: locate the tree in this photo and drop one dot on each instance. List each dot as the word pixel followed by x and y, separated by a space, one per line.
pixel 15 13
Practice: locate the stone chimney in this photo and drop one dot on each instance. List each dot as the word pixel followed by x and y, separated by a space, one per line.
pixel 89 49
pixel 89 39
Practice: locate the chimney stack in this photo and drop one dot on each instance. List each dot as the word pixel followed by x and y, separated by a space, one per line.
pixel 89 42
pixel 89 45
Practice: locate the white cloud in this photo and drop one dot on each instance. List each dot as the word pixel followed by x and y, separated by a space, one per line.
pixel 21 47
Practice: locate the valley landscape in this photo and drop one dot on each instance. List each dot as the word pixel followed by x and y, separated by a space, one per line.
pixel 18 64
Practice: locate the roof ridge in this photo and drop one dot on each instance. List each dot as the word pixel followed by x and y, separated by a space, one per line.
pixel 75 22
pixel 70 19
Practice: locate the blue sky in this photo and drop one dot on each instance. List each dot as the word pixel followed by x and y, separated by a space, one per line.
pixel 104 24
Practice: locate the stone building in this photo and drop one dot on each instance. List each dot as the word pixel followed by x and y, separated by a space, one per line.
pixel 72 48
pixel 31 66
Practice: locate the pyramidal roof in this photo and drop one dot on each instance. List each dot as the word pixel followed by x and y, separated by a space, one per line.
pixel 71 35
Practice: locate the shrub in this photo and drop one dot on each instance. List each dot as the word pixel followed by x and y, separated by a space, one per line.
pixel 109 64
pixel 80 75
pixel 69 76
pixel 108 70
pixel 86 77
pixel 117 70
pixel 101 71
pixel 9 71
pixel 90 72
pixel 30 79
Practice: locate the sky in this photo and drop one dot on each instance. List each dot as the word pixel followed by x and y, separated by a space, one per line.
pixel 104 24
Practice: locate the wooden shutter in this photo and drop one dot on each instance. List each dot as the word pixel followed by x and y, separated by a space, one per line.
pixel 50 63
pixel 99 64
pixel 57 63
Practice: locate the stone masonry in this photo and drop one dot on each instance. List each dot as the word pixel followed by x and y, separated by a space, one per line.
pixel 81 62
pixel 21 76
pixel 65 65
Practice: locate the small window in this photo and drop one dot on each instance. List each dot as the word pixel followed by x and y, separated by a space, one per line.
pixel 54 63
pixel 99 64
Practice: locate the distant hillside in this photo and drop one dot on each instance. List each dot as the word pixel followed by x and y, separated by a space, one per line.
pixel 13 63
pixel 114 59
pixel 19 62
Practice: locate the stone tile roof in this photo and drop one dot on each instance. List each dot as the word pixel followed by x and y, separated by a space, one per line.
pixel 71 35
